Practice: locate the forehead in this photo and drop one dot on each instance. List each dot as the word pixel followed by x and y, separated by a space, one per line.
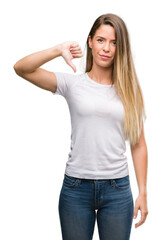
pixel 105 31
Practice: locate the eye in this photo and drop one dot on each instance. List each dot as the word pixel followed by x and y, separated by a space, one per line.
pixel 114 42
pixel 99 39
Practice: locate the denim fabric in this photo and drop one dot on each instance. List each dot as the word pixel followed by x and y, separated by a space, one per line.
pixel 82 201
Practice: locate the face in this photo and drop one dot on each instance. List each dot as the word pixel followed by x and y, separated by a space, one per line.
pixel 103 43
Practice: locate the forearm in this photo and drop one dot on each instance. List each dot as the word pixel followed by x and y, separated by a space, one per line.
pixel 140 162
pixel 31 62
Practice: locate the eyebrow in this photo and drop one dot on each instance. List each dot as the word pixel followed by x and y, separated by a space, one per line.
pixel 104 38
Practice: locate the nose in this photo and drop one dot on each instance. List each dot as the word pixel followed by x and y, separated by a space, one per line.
pixel 107 46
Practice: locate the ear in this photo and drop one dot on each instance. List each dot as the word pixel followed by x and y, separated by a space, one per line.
pixel 89 41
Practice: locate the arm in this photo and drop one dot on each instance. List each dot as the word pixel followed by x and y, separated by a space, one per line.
pixel 139 156
pixel 31 62
pixel 29 66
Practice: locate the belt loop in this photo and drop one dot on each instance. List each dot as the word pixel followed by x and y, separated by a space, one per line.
pixel 112 182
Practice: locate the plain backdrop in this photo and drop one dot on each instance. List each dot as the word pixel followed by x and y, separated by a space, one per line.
pixel 35 125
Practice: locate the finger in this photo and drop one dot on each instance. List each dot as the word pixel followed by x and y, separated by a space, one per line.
pixel 139 223
pixel 74 44
pixel 143 216
pixel 75 51
pixel 142 220
pixel 77 55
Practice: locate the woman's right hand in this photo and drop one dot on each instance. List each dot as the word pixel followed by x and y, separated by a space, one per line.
pixel 70 50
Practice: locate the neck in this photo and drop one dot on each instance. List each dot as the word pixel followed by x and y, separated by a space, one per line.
pixel 101 75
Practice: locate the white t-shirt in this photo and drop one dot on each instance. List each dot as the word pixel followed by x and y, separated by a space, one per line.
pixel 97 139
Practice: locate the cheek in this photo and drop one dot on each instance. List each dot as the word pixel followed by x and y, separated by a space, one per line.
pixel 97 52
pixel 94 52
pixel 114 51
pixel 96 49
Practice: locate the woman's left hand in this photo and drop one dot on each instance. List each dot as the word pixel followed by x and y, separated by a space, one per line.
pixel 141 204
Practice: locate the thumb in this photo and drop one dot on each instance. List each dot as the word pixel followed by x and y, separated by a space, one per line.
pixel 135 212
pixel 72 65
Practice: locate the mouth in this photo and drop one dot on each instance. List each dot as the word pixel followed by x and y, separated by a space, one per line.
pixel 105 57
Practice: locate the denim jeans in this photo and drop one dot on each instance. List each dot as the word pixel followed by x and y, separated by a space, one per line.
pixel 81 201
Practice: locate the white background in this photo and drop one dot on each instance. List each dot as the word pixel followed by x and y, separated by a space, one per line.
pixel 35 125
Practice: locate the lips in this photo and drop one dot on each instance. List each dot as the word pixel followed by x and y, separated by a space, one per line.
pixel 105 56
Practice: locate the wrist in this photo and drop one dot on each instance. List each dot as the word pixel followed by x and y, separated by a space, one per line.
pixel 58 49
pixel 55 51
pixel 143 193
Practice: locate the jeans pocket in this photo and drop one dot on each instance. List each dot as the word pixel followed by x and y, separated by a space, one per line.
pixel 121 183
pixel 71 181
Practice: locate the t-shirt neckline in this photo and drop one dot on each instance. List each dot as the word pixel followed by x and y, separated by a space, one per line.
pixel 98 84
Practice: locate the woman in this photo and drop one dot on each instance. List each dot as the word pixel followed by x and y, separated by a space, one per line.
pixel 106 107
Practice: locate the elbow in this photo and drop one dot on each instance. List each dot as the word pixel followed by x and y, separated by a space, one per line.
pixel 17 70
pixel 15 67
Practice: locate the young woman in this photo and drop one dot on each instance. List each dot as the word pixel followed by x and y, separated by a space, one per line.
pixel 107 108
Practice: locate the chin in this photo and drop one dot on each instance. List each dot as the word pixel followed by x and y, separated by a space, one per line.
pixel 105 64
pixel 102 63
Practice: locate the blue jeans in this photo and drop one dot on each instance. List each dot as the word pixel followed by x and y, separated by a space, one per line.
pixel 81 201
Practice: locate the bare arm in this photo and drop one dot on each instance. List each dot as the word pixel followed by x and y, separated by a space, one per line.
pixel 29 66
pixel 31 62
pixel 139 155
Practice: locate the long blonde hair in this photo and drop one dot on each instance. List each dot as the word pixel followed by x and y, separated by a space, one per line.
pixel 124 76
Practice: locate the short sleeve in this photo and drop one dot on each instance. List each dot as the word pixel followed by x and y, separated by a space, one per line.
pixel 64 82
